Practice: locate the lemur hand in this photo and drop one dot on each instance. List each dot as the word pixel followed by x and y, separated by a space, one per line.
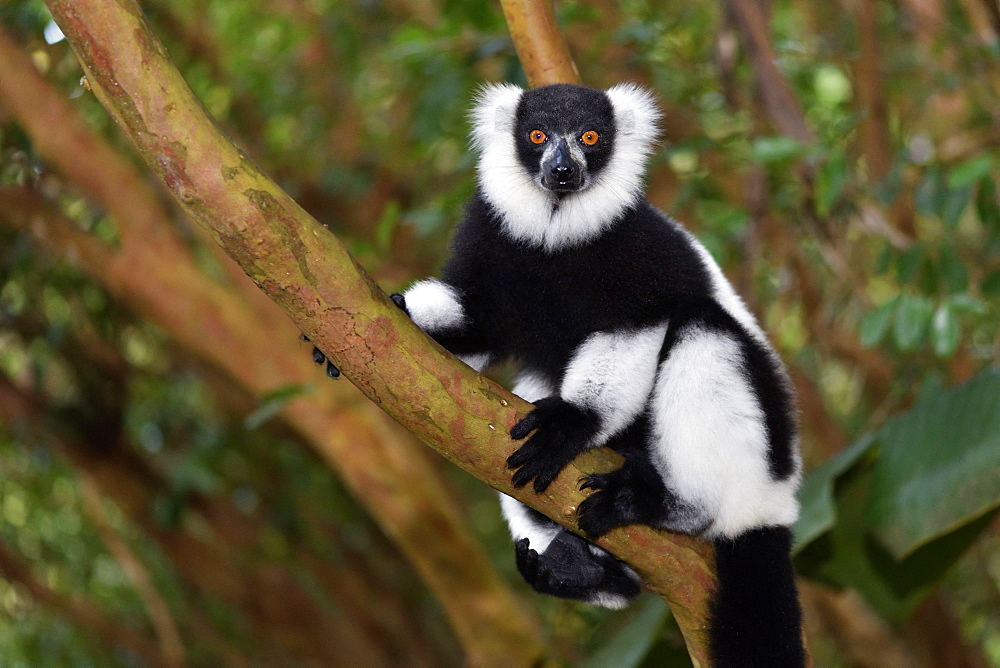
pixel 399 300
pixel 319 357
pixel 562 431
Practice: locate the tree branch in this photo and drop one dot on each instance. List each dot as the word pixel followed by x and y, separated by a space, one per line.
pixel 875 140
pixel 776 96
pixel 541 46
pixel 376 460
pixel 312 277
pixel 169 638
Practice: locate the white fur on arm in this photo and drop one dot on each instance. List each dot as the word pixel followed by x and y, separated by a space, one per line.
pixel 435 306
pixel 612 373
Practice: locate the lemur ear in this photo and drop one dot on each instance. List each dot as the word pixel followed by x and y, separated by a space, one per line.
pixel 493 113
pixel 636 112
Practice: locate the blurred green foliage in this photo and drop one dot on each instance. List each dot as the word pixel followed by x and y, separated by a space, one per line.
pixel 880 287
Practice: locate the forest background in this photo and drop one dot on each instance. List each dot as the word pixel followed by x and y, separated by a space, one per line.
pixel 180 486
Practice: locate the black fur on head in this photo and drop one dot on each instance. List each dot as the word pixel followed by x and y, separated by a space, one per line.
pixel 566 186
pixel 577 127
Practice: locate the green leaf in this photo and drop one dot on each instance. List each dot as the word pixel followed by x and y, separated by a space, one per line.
pixel 629 646
pixel 913 314
pixel 909 262
pixel 831 180
pixel 273 403
pixel 953 204
pixel 966 303
pixel 969 172
pixel 769 150
pixel 954 275
pixel 940 465
pixel 929 192
pixel 987 207
pixel 934 196
pixel 848 556
pixel 991 285
pixel 832 86
pixel 875 324
pixel 884 259
pixel 945 332
pixel 818 512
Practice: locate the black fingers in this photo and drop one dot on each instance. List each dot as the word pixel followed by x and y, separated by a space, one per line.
pixel 319 357
pixel 526 560
pixel 524 427
pixel 559 431
pixel 400 301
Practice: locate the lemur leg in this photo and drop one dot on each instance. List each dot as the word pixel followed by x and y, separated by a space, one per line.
pixel 604 389
pixel 707 441
pixel 555 561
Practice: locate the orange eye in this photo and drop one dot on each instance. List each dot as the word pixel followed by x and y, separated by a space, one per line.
pixel 590 137
pixel 537 137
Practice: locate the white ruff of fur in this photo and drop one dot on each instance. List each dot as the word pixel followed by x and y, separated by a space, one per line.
pixel 535 215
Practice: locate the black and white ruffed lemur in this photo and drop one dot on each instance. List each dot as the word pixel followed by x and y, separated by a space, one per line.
pixel 626 335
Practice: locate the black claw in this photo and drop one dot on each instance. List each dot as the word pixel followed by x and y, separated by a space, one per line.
pixel 318 356
pixel 542 482
pixel 331 370
pixel 522 456
pixel 524 427
pixel 594 481
pixel 521 478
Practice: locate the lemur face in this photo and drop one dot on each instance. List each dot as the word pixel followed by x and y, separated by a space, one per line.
pixel 564 136
pixel 559 164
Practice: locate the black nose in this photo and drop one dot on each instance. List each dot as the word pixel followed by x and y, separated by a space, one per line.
pixel 560 173
pixel 562 168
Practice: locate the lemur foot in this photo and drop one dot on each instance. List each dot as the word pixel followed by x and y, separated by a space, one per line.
pixel 562 431
pixel 635 494
pixel 319 357
pixel 565 568
pixel 570 568
pixel 620 497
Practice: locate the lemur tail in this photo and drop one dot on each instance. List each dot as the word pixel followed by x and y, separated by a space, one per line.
pixel 756 618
